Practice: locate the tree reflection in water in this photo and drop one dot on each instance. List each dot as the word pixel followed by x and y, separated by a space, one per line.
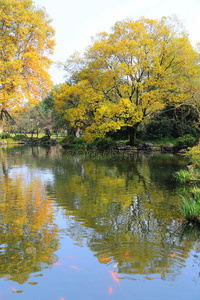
pixel 28 235
pixel 124 211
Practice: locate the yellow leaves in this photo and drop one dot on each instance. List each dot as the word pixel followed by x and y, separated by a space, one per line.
pixel 127 74
pixel 26 39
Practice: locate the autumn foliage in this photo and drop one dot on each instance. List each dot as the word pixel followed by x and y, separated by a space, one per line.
pixel 128 74
pixel 26 39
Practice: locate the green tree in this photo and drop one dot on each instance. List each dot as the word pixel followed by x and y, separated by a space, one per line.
pixel 32 119
pixel 59 122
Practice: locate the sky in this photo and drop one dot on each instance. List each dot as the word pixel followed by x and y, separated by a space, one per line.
pixel 76 21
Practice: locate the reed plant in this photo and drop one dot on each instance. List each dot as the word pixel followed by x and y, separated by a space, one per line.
pixel 190 206
pixel 190 202
pixel 183 176
pixel 188 176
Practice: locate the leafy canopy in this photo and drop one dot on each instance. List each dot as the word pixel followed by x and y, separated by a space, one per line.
pixel 128 74
pixel 26 39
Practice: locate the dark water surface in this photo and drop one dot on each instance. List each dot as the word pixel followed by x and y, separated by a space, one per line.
pixel 92 227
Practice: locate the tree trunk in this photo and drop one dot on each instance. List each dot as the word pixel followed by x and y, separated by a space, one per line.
pixel 1 120
pixel 197 141
pixel 133 131
pixel 72 131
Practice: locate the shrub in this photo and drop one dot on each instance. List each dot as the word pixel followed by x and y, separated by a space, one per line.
pixel 80 142
pixel 194 155
pixel 4 135
pixel 33 139
pixel 44 138
pixel 104 143
pixel 19 137
pixel 186 140
pixel 68 140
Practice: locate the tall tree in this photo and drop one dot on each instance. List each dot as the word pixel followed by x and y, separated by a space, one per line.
pixel 26 38
pixel 59 123
pixel 128 74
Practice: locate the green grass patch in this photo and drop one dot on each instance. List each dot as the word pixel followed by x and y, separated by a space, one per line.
pixel 188 176
pixel 73 142
pixel 190 206
pixel 163 141
pixel 183 176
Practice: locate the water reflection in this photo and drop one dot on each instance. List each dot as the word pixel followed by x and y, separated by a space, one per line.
pixel 28 235
pixel 125 211
pixel 128 212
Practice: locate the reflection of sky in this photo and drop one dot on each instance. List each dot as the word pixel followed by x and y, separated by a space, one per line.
pixel 46 176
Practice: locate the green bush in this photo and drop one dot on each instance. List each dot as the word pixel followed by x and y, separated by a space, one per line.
pixel 170 123
pixel 194 155
pixel 33 139
pixel 160 129
pixel 4 135
pixel 68 140
pixel 80 142
pixel 44 138
pixel 19 137
pixel 186 140
pixel 104 143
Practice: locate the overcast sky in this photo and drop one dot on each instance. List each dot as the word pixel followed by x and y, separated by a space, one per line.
pixel 75 21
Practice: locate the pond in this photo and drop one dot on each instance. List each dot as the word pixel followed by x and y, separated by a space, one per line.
pixel 77 226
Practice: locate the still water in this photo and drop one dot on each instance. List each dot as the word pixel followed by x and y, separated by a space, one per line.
pixel 93 226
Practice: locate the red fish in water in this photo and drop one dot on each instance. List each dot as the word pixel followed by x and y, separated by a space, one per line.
pixel 109 290
pixel 45 257
pixel 62 298
pixel 105 259
pixel 113 274
pixel 173 255
pixel 74 267
pixel 179 220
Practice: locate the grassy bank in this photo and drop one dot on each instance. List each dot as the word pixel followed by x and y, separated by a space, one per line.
pixel 190 199
pixel 110 143
pixel 20 138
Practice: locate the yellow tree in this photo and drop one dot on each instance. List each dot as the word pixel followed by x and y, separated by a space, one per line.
pixel 26 39
pixel 129 74
pixel 194 90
